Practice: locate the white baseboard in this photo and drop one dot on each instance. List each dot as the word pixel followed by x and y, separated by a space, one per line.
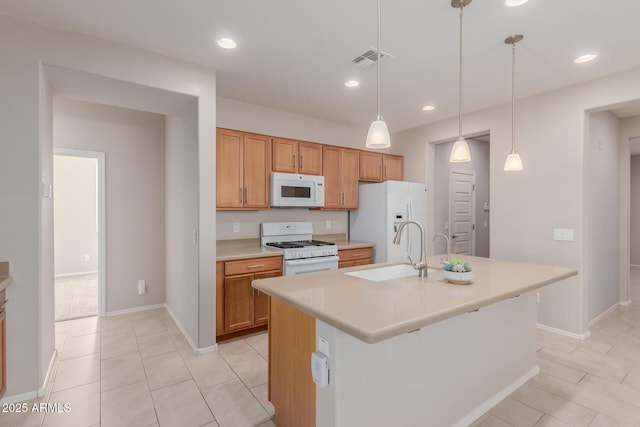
pixel 80 273
pixel 196 349
pixel 625 303
pixel 16 398
pixel 496 398
pixel 603 314
pixel 564 333
pixel 134 309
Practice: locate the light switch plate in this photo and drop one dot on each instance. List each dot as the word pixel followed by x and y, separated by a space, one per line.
pixel 563 234
pixel 323 345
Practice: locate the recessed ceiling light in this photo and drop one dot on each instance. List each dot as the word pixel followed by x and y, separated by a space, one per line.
pixel 428 108
pixel 514 3
pixel 226 43
pixel 351 83
pixel 585 58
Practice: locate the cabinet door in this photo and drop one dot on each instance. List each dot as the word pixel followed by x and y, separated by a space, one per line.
pixel 370 166
pixel 256 171
pixel 238 302
pixel 331 172
pixel 229 158
pixel 310 158
pixel 261 301
pixel 284 155
pixel 219 298
pixel 393 167
pixel 3 347
pixel 349 172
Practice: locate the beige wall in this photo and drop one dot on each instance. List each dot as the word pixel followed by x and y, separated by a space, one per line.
pixel 26 219
pixel 134 147
pixel 549 193
pixel 601 213
pixel 253 118
pixel 75 214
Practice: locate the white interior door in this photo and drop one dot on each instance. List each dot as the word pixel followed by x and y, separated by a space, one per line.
pixel 461 211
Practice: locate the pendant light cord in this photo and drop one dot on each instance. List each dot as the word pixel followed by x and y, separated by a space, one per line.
pixel 460 78
pixel 513 98
pixel 378 85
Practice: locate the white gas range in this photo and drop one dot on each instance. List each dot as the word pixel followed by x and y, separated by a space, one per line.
pixel 301 254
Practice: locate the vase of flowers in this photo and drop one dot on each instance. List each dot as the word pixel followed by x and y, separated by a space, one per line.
pixel 457 272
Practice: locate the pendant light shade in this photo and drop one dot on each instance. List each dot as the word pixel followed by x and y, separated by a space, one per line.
pixel 378 136
pixel 513 162
pixel 460 151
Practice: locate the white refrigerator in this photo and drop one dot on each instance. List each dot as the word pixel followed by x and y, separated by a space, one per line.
pixel 381 209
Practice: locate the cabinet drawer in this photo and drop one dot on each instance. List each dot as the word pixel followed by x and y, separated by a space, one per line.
pixel 253 265
pixel 355 254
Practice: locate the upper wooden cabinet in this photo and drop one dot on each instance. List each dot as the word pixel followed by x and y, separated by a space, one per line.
pixel 377 167
pixel 341 171
pixel 243 166
pixel 296 156
pixel 392 167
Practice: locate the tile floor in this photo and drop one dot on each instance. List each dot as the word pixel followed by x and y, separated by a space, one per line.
pixel 138 370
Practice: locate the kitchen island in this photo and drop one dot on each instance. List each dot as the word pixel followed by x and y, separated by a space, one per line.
pixel 404 351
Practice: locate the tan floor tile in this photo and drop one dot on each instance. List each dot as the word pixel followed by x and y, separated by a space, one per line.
pixel 146 314
pixel 77 371
pixel 566 373
pixel 234 405
pixel 619 391
pixel 548 421
pixel 260 343
pixel 209 369
pixel 603 421
pixel 84 404
pixel 212 424
pixel 147 326
pixel 586 365
pixel 233 347
pixel 171 327
pixel 181 405
pixel 556 342
pixel 62 327
pixel 130 405
pixel 269 423
pixel 555 406
pixel 599 402
pixel 115 325
pixel 21 414
pixel 60 339
pixel 155 344
pixel 249 366
pixel 81 345
pixel 118 345
pixel 87 325
pixel 165 370
pixel 261 393
pixel 516 413
pixel 632 380
pixel 489 420
pixel 121 371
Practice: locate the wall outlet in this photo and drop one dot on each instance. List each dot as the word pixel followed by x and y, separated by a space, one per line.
pixel 236 227
pixel 563 234
pixel 327 224
pixel 87 257
pixel 142 287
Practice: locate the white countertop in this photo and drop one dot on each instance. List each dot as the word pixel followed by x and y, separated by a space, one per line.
pixel 375 311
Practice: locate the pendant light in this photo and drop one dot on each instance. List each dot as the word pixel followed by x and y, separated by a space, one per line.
pixel 460 150
pixel 378 136
pixel 513 162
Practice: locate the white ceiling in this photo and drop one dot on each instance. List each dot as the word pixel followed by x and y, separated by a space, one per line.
pixel 295 55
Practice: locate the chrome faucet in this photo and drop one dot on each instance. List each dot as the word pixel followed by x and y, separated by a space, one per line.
pixel 422 265
pixel 446 238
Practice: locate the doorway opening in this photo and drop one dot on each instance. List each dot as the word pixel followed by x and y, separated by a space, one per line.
pixel 78 233
pixel 461 199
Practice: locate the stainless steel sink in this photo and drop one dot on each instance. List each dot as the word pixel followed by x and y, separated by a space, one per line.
pixel 387 273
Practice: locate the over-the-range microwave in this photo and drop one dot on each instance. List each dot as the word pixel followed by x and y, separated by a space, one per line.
pixel 292 190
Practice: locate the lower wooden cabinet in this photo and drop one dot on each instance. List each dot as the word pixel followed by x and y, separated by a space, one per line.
pixel 3 344
pixel 355 257
pixel 239 307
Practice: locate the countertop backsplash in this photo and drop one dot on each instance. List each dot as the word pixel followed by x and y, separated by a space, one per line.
pixel 249 221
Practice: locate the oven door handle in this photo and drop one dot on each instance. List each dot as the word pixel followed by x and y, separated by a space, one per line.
pixel 311 261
